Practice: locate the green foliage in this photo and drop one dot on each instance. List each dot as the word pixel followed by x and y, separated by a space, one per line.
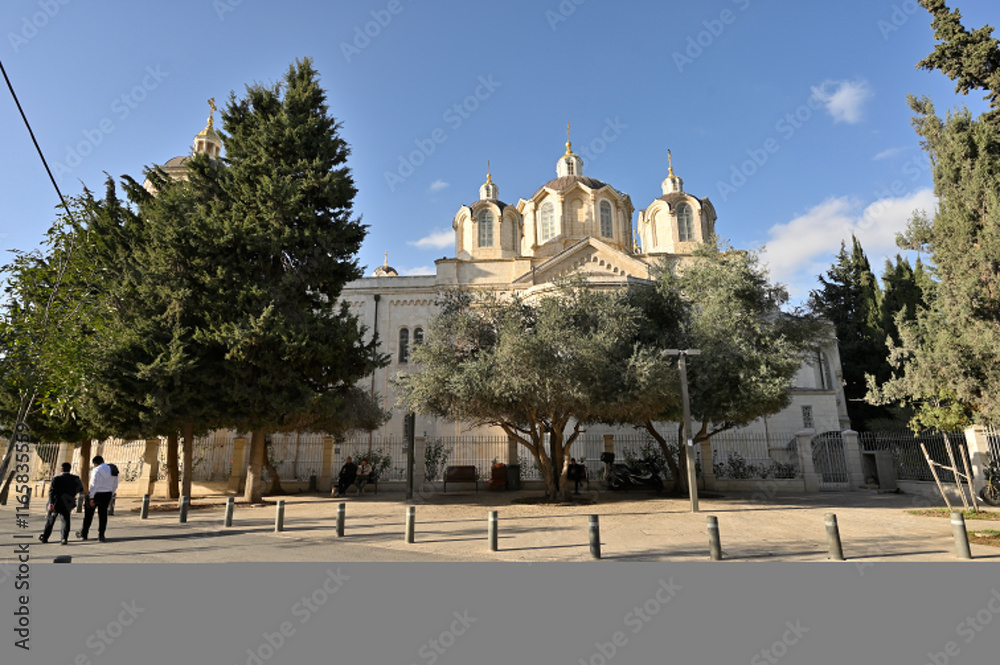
pixel 736 467
pixel 435 460
pixel 944 366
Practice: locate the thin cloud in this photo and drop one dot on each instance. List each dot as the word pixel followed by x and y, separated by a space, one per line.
pixel 844 100
pixel 439 185
pixel 885 154
pixel 804 248
pixel 438 239
pixel 420 271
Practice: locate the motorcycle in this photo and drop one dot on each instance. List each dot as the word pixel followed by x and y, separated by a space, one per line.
pixel 622 476
pixel 991 490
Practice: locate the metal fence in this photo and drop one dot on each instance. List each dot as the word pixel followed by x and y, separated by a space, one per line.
pixel 749 455
pixel 909 460
pixel 386 454
pixel 481 452
pixel 295 455
pixel 993 439
pixel 126 455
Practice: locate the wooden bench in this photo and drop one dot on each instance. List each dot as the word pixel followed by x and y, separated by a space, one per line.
pixel 460 474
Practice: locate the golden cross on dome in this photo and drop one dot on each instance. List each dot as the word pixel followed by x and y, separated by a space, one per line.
pixel 211 106
pixel 670 164
pixel 386 264
pixel 489 174
pixel 569 145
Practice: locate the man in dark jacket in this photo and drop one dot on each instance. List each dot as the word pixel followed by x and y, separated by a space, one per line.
pixel 62 499
pixel 348 473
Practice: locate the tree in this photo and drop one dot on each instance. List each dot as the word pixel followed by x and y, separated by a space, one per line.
pixel 538 369
pixel 945 363
pixel 722 304
pixel 850 298
pixel 903 293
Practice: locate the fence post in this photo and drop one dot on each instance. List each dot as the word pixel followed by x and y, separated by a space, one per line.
pixel 978 444
pixel 855 462
pixel 810 478
pixel 707 469
pixel 609 443
pixel 327 473
pixel 238 472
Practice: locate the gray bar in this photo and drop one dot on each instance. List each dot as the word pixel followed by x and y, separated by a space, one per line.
pixel 833 537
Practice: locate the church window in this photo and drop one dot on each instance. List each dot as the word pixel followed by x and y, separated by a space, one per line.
pixel 485 228
pixel 418 336
pixel 685 223
pixel 607 229
pixel 548 230
pixel 807 417
pixel 404 346
pixel 570 167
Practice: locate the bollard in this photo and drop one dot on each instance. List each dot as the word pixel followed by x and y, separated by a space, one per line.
pixel 492 531
pixel 144 513
pixel 79 502
pixel 961 536
pixel 833 537
pixel 230 506
pixel 279 516
pixel 63 558
pixel 341 517
pixel 184 509
pixel 411 515
pixel 714 542
pixel 111 506
pixel 595 537
pixel 27 499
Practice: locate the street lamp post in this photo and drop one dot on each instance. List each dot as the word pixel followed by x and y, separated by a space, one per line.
pixel 688 434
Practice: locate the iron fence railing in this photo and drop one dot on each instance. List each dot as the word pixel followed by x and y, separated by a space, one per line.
pixel 907 457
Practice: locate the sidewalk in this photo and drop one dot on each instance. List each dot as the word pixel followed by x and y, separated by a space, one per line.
pixel 453 527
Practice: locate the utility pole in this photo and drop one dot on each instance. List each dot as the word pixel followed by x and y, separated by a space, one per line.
pixel 688 434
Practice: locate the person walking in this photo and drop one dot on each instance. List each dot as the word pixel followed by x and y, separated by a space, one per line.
pixel 103 485
pixel 62 499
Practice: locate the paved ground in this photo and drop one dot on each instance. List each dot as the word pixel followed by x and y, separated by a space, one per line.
pixel 453 527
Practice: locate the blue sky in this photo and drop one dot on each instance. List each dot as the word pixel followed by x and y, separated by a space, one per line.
pixel 790 116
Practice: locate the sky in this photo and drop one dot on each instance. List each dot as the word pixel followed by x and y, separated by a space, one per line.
pixel 790 116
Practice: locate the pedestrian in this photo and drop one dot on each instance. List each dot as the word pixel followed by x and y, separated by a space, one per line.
pixel 348 473
pixel 62 499
pixel 103 484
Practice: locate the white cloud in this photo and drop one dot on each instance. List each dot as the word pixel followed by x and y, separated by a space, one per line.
pixel 438 185
pixel 438 239
pixel 804 248
pixel 887 153
pixel 844 99
pixel 420 270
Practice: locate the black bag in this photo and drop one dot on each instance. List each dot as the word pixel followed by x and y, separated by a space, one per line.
pixel 114 469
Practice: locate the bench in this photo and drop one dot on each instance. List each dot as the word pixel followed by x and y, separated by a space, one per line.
pixel 372 480
pixel 460 474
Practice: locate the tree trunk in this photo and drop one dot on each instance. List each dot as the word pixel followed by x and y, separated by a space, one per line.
pixel 276 487
pixel 254 492
pixel 678 469
pixel 188 431
pixel 85 464
pixel 173 488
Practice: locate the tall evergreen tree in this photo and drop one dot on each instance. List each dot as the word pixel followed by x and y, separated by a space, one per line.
pixel 946 361
pixel 902 293
pixel 851 299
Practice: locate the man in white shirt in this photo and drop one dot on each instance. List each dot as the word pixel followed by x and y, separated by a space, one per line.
pixel 103 486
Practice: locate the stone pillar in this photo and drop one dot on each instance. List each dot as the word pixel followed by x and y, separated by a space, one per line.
pixel 238 474
pixel 707 470
pixel 65 455
pixel 512 445
pixel 803 442
pixel 609 443
pixel 855 460
pixel 150 467
pixel 419 452
pixel 327 470
pixel 979 453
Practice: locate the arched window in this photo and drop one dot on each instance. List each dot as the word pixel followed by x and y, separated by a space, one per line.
pixel 548 226
pixel 404 346
pixel 685 223
pixel 485 228
pixel 607 228
pixel 418 336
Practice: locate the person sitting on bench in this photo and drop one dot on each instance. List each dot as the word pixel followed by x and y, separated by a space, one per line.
pixel 364 474
pixel 348 473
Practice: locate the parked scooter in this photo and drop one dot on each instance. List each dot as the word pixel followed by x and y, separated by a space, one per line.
pixel 991 490
pixel 623 476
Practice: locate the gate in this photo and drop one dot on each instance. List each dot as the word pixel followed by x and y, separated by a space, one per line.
pixel 830 461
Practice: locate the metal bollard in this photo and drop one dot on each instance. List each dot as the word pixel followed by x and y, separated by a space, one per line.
pixel 714 542
pixel 79 501
pixel 833 537
pixel 963 551
pixel 411 516
pixel 279 517
pixel 144 513
pixel 184 509
pixel 595 537
pixel 111 506
pixel 492 531
pixel 27 499
pixel 341 518
pixel 63 558
pixel 230 506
